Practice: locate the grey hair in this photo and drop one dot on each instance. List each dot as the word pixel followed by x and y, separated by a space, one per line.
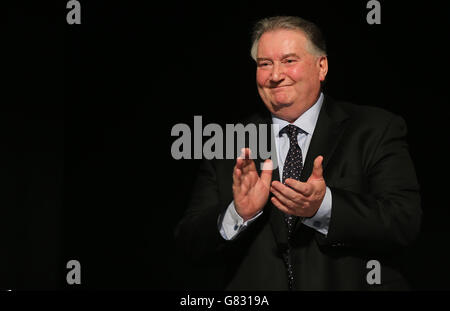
pixel 316 46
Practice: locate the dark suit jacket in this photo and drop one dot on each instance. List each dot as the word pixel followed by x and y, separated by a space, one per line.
pixel 375 214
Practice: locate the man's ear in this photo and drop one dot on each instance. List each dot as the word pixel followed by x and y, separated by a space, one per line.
pixel 322 62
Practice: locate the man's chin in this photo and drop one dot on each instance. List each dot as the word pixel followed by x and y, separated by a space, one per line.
pixel 277 106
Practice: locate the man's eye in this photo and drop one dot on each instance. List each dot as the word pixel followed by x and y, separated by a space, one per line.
pixel 290 61
pixel 263 64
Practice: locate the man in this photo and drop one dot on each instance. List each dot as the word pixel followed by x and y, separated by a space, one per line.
pixel 344 191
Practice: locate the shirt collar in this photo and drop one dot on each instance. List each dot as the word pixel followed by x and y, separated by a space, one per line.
pixel 307 121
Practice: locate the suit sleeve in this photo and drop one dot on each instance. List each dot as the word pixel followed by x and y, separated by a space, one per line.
pixel 386 216
pixel 197 233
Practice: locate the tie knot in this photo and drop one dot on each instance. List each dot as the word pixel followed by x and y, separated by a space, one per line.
pixel 292 131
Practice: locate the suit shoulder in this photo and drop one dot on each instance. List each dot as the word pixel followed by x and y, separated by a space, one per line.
pixel 367 115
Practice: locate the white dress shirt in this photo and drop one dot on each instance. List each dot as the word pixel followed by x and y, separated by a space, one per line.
pixel 231 224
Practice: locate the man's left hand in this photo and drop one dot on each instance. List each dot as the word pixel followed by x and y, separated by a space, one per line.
pixel 301 198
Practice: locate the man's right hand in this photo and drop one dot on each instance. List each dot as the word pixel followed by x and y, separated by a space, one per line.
pixel 250 191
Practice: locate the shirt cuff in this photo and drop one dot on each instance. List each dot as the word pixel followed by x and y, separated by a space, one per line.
pixel 232 223
pixel 321 220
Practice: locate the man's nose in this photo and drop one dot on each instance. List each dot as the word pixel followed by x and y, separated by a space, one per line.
pixel 277 73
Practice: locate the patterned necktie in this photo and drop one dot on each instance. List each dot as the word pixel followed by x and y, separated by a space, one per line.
pixel 292 168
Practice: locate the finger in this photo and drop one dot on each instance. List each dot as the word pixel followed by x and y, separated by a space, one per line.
pixel 317 172
pixel 248 153
pixel 284 200
pixel 241 158
pixel 248 166
pixel 245 185
pixel 266 173
pixel 299 187
pixel 239 162
pixel 245 153
pixel 281 206
pixel 237 173
pixel 242 153
pixel 286 191
pixel 242 184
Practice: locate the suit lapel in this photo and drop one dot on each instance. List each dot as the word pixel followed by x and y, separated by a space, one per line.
pixel 326 137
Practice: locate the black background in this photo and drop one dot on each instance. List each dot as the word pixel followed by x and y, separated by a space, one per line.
pixel 87 111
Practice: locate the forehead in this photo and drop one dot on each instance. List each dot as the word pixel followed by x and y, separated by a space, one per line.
pixel 282 41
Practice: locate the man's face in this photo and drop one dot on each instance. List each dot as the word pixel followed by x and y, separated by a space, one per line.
pixel 288 76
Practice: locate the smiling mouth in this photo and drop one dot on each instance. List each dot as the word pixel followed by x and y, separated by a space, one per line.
pixel 279 87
